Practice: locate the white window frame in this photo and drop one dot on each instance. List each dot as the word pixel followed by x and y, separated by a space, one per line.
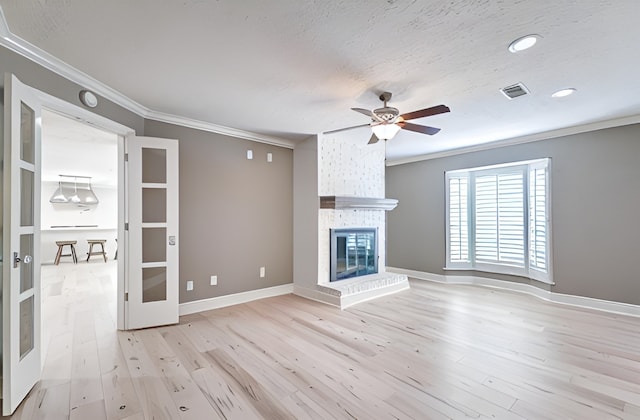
pixel 526 270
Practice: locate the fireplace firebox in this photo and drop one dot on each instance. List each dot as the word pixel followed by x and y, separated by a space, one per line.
pixel 354 253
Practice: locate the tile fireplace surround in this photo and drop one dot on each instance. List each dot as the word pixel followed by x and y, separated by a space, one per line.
pixel 339 184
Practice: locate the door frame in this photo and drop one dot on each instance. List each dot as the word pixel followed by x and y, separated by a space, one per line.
pixel 78 113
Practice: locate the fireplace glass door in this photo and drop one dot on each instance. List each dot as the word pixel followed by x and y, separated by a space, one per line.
pixel 354 253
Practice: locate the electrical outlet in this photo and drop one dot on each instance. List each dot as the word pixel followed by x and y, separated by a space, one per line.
pixel 214 280
pixel 189 285
pixel 262 272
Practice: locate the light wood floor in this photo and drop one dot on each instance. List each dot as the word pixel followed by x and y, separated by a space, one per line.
pixel 434 352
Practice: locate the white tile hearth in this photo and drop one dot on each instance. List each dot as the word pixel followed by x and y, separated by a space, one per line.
pixel 359 289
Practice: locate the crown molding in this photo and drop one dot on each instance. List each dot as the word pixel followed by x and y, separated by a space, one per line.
pixel 545 135
pixel 52 63
pixel 219 129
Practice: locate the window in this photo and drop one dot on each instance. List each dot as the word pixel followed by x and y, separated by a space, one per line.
pixel 498 219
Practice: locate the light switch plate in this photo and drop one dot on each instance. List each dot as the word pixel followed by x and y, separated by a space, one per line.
pixel 249 154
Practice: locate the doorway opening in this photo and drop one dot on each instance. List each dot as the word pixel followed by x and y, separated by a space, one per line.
pixel 79 292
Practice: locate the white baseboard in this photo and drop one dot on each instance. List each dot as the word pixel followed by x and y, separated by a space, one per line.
pixel 234 299
pixel 580 301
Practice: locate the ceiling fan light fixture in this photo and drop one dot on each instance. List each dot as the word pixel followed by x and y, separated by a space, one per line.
pixel 523 43
pixel 385 131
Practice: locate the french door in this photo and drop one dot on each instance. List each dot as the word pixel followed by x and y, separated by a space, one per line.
pixel 152 245
pixel 21 343
pixel 150 254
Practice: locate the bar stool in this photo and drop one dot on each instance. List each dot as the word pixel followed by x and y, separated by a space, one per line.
pixel 61 245
pixel 91 252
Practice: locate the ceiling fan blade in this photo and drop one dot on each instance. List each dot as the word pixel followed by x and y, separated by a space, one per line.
pixel 434 110
pixel 366 112
pixel 418 128
pixel 346 129
pixel 374 139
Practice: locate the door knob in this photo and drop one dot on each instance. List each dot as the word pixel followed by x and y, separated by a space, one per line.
pixel 16 259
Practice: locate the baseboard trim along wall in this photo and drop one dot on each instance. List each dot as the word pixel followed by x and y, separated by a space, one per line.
pixel 234 299
pixel 581 301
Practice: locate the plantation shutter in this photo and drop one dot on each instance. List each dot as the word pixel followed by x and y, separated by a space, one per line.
pixel 499 217
pixel 538 218
pixel 458 219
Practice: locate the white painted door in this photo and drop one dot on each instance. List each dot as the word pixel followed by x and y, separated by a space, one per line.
pixel 21 345
pixel 152 248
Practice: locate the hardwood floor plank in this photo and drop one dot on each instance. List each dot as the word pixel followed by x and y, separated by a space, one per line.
pixel 120 397
pixel 86 381
pixel 153 396
pixel 94 411
pixel 52 403
pixel 262 401
pixel 225 398
pixel 183 391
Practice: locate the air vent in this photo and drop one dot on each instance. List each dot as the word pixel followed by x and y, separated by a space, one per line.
pixel 514 91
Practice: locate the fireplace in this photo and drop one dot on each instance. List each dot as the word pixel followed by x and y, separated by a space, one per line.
pixel 354 253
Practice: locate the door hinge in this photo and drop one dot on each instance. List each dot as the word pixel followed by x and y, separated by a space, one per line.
pixel 126 157
pixel 126 226
pixel 126 296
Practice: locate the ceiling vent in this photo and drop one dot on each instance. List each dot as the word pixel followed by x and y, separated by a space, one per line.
pixel 514 91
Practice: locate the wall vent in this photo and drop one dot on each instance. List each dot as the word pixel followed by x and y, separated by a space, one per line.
pixel 514 91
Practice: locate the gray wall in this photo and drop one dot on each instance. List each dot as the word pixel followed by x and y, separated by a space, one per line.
pixel 235 214
pixel 42 79
pixel 595 182
pixel 305 216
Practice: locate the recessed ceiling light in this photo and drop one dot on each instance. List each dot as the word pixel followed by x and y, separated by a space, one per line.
pixel 563 92
pixel 523 43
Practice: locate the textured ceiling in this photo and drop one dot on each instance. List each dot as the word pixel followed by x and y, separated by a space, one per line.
pixel 291 68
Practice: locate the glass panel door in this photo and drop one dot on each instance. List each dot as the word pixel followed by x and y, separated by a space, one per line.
pixel 21 259
pixel 152 177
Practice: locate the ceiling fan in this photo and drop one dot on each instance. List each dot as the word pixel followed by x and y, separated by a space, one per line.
pixel 387 121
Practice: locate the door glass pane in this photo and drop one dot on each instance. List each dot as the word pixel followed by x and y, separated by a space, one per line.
pixel 27 133
pixel 26 265
pixel 154 165
pixel 154 284
pixel 154 248
pixel 26 326
pixel 26 198
pixel 154 205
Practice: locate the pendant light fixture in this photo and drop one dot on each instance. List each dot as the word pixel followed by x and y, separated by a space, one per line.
pixel 74 189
